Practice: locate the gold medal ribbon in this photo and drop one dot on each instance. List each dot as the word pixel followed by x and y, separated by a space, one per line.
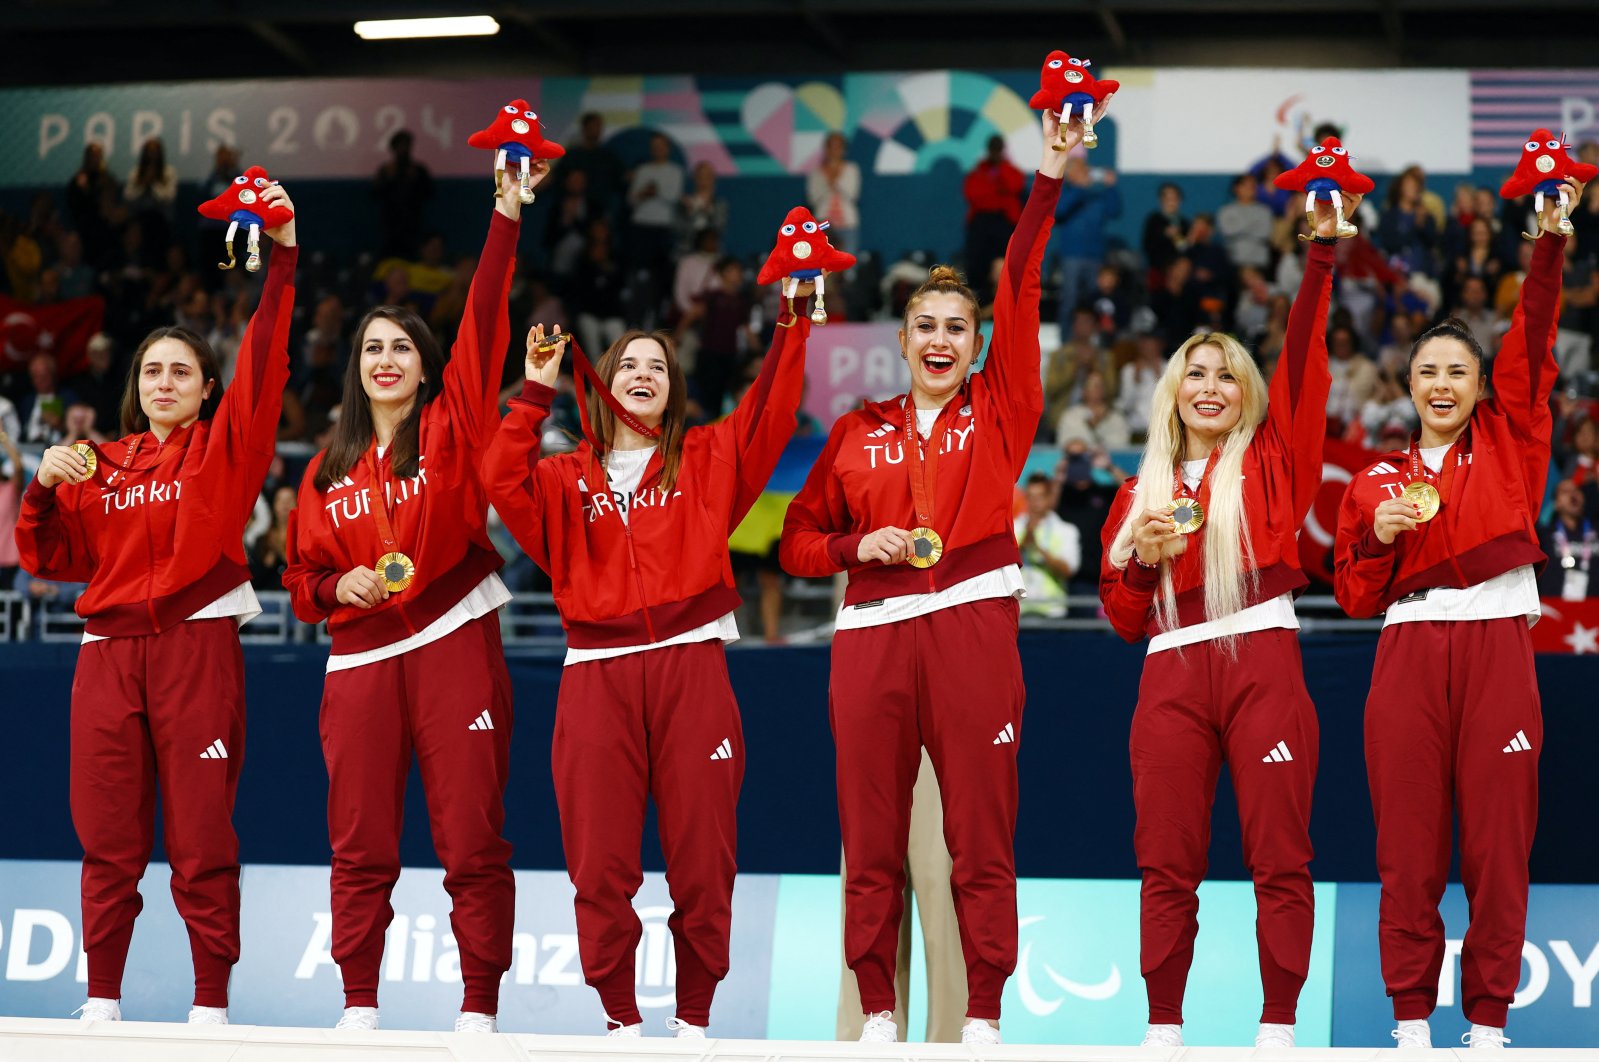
pixel 394 568
pixel 927 546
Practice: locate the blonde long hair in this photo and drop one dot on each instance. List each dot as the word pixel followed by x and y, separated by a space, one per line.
pixel 1229 554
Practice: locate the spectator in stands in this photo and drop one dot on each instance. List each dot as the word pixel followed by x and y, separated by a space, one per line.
pixel 1089 201
pixel 721 319
pixel 1176 301
pixel 1069 365
pixel 1112 303
pixel 833 189
pixel 225 166
pixel 150 193
pixel 402 188
pixel 696 274
pixel 566 229
pixel 1585 223
pixel 653 195
pixel 1138 379
pixel 1245 225
pixel 92 195
pixel 1388 412
pixel 993 191
pixel 12 477
pixel 1570 542
pixel 1474 311
pixel 269 555
pixel 76 278
pixel 595 293
pixel 1165 233
pixel 1354 379
pixel 100 385
pixel 79 423
pixel 701 209
pixel 22 258
pixel 601 168
pixel 1213 270
pixel 10 420
pixel 1409 230
pixel 1093 419
pixel 1581 463
pixel 1252 311
pixel 44 411
pixel 1052 550
pixel 1394 355
pixel 397 289
pixel 1478 255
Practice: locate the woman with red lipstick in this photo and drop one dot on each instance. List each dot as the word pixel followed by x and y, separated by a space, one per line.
pixel 154 523
pixel 632 528
pixel 1200 556
pixel 1443 537
pixel 924 532
pixel 388 545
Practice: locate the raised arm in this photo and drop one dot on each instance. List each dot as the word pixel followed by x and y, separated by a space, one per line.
pixel 472 377
pixel 1524 373
pixel 1296 407
pixel 818 538
pixel 754 434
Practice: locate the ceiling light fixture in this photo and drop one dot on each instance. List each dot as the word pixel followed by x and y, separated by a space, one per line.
pixel 389 29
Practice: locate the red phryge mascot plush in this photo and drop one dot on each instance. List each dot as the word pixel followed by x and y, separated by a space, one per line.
pixel 803 253
pixel 1543 170
pixel 241 205
pixel 516 136
pixel 1326 171
pixel 1066 84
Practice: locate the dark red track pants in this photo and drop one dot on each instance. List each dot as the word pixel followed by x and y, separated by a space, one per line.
pixel 431 702
pixel 167 707
pixel 1449 706
pixel 660 723
pixel 1198 708
pixel 950 680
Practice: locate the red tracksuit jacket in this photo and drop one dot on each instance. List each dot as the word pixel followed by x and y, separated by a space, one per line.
pixel 160 540
pixel 666 571
pixel 1282 472
pixel 861 483
pixel 439 516
pixel 1487 524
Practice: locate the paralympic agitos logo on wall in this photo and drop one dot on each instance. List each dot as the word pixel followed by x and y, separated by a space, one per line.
pixel 1043 989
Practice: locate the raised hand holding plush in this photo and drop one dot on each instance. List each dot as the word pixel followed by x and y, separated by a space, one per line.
pixel 804 253
pixel 516 136
pixel 1065 85
pixel 245 203
pixel 1544 169
pixel 1326 171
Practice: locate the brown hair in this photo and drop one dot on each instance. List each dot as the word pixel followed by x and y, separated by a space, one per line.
pixel 134 419
pixel 673 421
pixel 352 432
pixel 944 280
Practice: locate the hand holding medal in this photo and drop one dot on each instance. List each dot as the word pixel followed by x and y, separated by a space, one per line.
pixel 1394 516
pixel 544 354
pixel 66 464
pixel 1156 535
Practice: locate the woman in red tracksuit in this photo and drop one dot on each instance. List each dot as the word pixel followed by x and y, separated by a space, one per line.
pixel 1222 681
pixel 154 523
pixel 924 532
pixel 632 528
pixel 1453 719
pixel 388 544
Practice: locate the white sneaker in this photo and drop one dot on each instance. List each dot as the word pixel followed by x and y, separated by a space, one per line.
pixel 361 1019
pixel 1270 1035
pixel 1485 1038
pixel 470 1021
pixel 1414 1034
pixel 684 1031
pixel 1163 1036
pixel 880 1029
pixel 623 1032
pixel 208 1015
pixel 978 1031
pixel 98 1008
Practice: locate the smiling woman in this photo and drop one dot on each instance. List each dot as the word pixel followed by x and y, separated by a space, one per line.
pixel 154 523
pixel 389 546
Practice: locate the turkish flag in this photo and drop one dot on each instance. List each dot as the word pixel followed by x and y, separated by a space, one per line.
pixel 1567 627
pixel 1340 462
pixel 60 328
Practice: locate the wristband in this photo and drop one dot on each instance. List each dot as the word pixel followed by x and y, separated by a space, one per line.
pixel 1325 241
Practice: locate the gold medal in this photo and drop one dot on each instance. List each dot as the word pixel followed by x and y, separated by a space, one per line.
pixel 1187 514
pixel 396 571
pixel 926 547
pixel 1424 496
pixel 549 343
pixel 84 450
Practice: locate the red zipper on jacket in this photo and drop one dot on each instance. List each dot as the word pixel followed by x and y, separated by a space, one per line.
pixel 638 577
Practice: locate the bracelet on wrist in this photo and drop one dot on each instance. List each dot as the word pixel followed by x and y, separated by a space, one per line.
pixel 1325 241
pixel 1141 563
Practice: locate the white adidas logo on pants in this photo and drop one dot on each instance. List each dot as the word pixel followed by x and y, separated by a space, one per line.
pixel 1006 736
pixel 1280 754
pixel 216 751
pixel 724 751
pixel 1519 743
pixel 482 722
